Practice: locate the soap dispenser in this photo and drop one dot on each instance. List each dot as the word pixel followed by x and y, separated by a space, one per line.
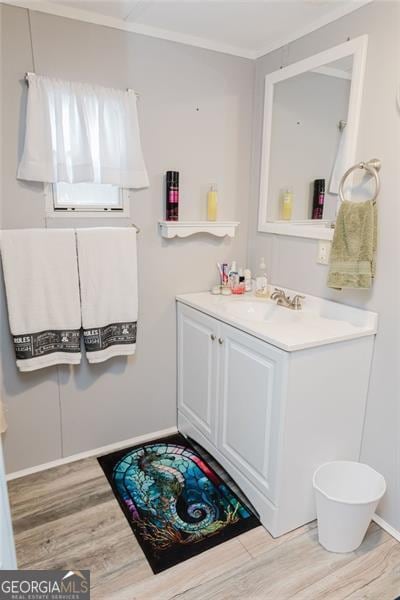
pixel 261 289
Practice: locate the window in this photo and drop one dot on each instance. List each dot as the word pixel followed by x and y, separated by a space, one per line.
pixel 86 199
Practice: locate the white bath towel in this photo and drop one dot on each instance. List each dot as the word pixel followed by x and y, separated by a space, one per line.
pixel 42 288
pixel 109 297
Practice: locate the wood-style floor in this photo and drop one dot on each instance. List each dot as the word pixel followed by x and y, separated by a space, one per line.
pixel 68 518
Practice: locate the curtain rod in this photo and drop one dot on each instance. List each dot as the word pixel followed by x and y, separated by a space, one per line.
pixel 26 77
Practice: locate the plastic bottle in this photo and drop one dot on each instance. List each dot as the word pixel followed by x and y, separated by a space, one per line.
pixel 241 279
pixel 212 204
pixel 238 282
pixel 287 205
pixel 233 275
pixel 247 280
pixel 261 289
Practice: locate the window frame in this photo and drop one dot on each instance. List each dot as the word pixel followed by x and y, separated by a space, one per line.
pixel 99 213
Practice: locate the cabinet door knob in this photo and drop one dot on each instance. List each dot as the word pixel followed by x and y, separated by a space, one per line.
pixel 220 341
pixel 212 336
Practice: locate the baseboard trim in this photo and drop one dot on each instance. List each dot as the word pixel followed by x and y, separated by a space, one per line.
pixel 388 528
pixel 95 452
pixel 132 442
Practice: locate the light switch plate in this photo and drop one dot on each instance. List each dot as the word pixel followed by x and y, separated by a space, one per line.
pixel 324 251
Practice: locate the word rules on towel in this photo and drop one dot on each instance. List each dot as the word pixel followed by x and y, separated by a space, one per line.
pixel 60 283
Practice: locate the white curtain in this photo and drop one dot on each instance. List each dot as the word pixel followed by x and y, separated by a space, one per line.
pixel 78 132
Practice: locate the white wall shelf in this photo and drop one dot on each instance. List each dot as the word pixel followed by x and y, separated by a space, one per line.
pixel 171 229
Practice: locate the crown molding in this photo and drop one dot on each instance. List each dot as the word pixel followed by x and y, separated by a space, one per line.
pixel 332 16
pixel 98 19
pixel 181 38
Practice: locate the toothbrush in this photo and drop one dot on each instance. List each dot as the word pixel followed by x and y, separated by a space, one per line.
pixel 225 273
pixel 220 271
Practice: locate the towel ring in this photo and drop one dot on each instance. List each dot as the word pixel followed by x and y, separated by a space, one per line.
pixel 372 166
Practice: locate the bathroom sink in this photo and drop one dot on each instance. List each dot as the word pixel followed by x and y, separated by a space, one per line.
pixel 319 322
pixel 249 310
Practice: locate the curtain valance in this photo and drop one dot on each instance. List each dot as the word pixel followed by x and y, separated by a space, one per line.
pixel 78 132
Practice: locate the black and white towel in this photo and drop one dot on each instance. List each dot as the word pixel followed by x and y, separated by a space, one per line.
pixel 109 294
pixel 42 287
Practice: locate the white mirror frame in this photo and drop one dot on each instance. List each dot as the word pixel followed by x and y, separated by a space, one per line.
pixel 356 48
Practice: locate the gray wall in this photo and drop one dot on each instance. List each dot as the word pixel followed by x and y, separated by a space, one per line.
pixel 292 261
pixel 195 113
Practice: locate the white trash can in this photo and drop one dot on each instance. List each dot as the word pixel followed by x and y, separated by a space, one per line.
pixel 347 494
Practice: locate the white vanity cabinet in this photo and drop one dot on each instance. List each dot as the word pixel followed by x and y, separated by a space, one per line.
pixel 250 378
pixel 270 416
pixel 229 384
pixel 197 368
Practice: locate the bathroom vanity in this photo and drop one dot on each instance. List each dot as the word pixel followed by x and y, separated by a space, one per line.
pixel 272 393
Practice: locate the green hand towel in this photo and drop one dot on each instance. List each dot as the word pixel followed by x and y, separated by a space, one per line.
pixel 352 261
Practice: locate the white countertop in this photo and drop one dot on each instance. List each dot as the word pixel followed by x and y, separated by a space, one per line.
pixel 319 322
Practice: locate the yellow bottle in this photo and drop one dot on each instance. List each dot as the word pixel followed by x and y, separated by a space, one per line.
pixel 287 205
pixel 212 204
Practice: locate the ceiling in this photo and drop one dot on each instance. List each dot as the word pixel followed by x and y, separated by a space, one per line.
pixel 248 28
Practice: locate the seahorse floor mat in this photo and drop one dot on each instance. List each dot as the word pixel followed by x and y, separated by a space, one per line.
pixel 175 503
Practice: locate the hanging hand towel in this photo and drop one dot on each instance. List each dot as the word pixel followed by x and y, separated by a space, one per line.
pixel 42 287
pixel 108 277
pixel 352 260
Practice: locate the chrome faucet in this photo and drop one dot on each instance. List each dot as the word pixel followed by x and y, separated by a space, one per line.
pixel 296 302
pixel 283 300
pixel 280 297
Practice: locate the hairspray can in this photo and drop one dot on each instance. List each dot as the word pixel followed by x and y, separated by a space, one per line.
pixel 172 195
pixel 318 198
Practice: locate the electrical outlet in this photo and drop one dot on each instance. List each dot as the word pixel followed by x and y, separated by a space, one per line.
pixel 324 251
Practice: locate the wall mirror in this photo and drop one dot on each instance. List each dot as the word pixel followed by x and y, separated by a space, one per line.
pixel 311 119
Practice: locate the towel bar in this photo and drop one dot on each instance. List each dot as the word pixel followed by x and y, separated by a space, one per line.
pixel 372 166
pixel 132 225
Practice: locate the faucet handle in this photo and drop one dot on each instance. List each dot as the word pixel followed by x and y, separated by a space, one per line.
pixel 296 302
pixel 278 292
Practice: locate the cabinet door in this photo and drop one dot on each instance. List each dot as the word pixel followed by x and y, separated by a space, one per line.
pixel 197 368
pixel 250 396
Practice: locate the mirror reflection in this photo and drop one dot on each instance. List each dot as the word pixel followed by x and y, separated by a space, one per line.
pixel 308 141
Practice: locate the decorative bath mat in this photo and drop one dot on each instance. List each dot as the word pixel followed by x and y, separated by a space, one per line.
pixel 176 504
